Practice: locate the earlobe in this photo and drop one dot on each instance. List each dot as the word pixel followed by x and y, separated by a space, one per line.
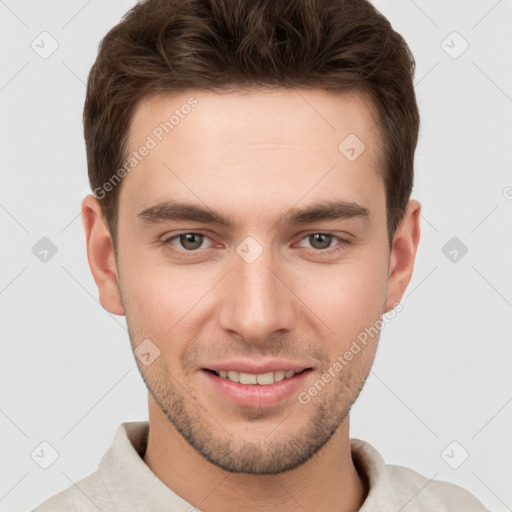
pixel 100 254
pixel 403 254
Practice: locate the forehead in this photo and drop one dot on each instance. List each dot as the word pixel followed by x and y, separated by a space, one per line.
pixel 253 147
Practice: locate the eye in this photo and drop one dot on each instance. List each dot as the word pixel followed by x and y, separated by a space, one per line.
pixel 323 241
pixel 190 241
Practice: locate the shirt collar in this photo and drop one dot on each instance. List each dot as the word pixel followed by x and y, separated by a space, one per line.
pixel 130 482
pixel 133 486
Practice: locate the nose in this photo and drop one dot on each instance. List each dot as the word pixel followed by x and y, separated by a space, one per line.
pixel 258 301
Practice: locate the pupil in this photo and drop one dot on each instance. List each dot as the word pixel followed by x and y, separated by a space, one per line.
pixel 187 240
pixel 321 241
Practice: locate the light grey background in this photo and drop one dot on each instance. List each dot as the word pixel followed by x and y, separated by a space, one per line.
pixel 442 372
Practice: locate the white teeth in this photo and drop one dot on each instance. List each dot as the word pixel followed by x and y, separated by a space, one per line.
pixel 248 378
pixel 263 379
pixel 279 375
pixel 234 376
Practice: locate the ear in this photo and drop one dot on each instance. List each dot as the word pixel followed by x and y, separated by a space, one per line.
pixel 100 253
pixel 403 254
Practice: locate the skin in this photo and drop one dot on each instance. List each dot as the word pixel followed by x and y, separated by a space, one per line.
pixel 253 155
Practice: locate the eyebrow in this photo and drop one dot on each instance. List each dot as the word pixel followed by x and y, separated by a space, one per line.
pixel 325 210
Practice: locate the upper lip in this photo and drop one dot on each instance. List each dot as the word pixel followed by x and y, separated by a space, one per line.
pixel 257 368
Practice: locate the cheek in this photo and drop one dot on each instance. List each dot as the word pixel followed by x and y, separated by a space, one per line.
pixel 347 299
pixel 160 299
pixel 146 292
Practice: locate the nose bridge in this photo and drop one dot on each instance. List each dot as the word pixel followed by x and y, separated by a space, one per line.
pixel 257 303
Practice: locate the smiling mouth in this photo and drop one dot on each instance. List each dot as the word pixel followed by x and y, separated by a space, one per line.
pixel 263 379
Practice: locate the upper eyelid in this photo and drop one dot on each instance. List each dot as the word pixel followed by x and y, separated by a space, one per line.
pixel 333 235
pixel 171 238
pixel 306 235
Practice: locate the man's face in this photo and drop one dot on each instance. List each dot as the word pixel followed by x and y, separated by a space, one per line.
pixel 271 292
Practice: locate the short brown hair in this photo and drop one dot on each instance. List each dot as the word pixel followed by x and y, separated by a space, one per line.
pixel 166 46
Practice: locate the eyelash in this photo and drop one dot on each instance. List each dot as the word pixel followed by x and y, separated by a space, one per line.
pixel 191 254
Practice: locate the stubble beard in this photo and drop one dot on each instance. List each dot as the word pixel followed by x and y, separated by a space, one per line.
pixel 202 431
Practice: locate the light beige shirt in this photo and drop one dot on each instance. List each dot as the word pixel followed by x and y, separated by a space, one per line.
pixel 124 483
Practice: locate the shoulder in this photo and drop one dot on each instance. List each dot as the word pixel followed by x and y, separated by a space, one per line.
pixel 88 494
pixel 428 494
pixel 59 503
pixel 393 487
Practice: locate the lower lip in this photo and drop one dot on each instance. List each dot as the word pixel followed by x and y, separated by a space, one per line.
pixel 255 395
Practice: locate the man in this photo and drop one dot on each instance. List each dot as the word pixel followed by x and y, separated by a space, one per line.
pixel 252 165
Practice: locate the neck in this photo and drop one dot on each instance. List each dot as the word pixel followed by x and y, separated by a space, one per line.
pixel 328 481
